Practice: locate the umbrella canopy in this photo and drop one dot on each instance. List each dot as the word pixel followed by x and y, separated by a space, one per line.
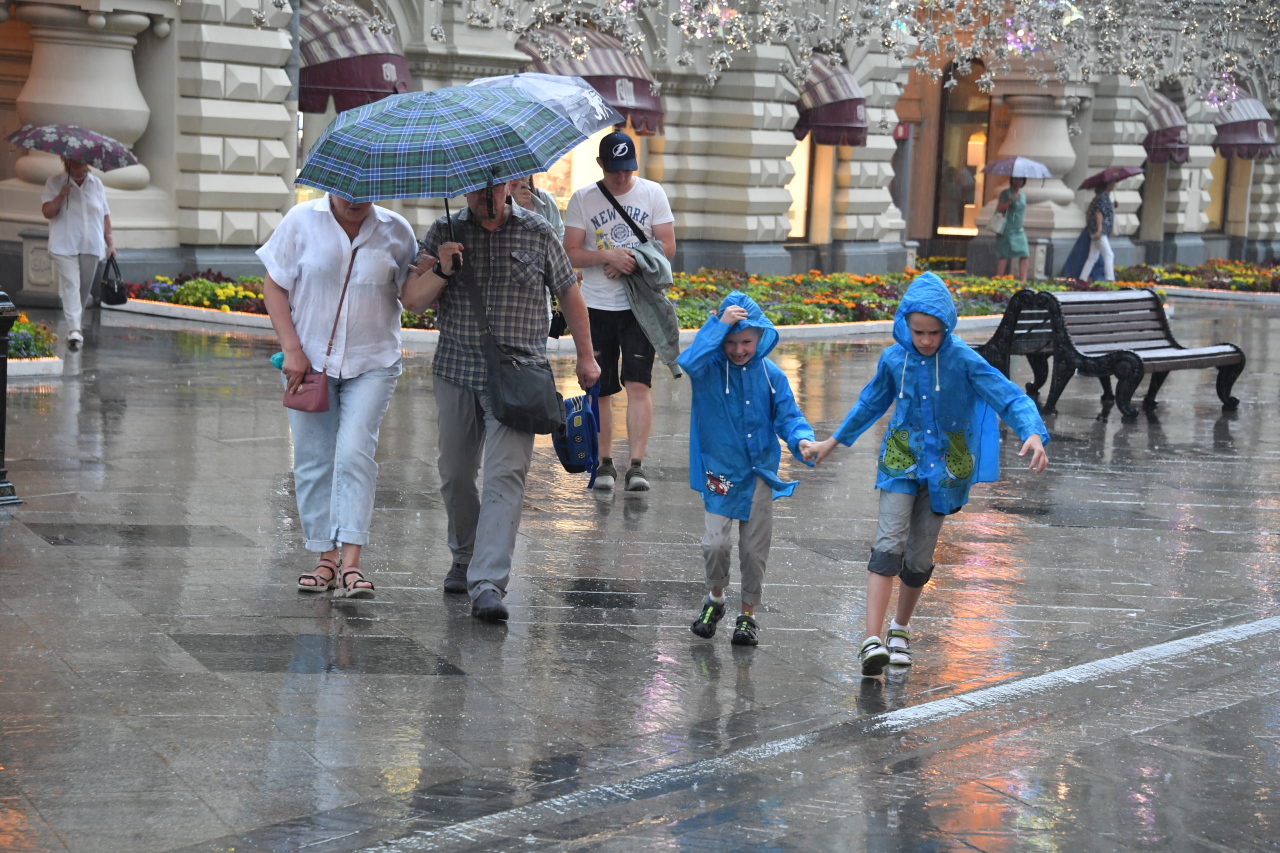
pixel 437 144
pixel 75 143
pixel 1114 175
pixel 1017 167
pixel 572 97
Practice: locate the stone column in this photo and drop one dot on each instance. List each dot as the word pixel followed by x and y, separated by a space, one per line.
pixel 1038 131
pixel 1116 132
pixel 236 137
pixel 1264 219
pixel 82 73
pixel 723 164
pixel 867 229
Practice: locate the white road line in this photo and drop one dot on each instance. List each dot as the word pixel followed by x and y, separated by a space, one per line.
pixel 523 819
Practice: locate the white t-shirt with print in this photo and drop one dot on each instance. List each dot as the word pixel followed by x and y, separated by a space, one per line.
pixel 589 210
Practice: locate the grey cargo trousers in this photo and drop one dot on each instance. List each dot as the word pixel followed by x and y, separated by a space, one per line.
pixel 469 432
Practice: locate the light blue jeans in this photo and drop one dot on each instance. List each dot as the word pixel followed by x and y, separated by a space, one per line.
pixel 334 472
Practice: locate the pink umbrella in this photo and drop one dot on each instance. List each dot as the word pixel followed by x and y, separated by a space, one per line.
pixel 1114 175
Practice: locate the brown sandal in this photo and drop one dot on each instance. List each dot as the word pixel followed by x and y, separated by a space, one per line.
pixel 357 587
pixel 319 583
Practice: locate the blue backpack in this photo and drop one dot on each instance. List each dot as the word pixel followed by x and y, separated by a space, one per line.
pixel 578 445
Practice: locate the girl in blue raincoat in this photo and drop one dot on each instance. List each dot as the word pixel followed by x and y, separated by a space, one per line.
pixel 742 405
pixel 942 439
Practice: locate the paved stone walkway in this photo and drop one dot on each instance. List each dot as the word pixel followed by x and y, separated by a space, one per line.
pixel 1098 658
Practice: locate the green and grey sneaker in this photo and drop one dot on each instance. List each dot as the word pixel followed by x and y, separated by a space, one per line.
pixel 606 476
pixel 874 656
pixel 712 612
pixel 745 631
pixel 636 481
pixel 899 647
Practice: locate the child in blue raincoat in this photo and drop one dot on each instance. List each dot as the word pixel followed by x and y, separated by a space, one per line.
pixel 742 405
pixel 942 439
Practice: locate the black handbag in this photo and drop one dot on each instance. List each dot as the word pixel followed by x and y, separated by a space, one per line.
pixel 114 290
pixel 522 389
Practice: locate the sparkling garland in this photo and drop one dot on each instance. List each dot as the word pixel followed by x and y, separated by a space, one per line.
pixel 1211 47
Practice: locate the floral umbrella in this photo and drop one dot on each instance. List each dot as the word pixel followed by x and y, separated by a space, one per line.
pixel 75 143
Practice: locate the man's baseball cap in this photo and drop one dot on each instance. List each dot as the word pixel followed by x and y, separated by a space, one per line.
pixel 618 153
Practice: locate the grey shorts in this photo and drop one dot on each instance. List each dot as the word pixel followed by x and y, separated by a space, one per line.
pixel 906 536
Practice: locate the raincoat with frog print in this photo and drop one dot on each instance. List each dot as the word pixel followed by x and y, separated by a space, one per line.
pixel 943 430
pixel 738 415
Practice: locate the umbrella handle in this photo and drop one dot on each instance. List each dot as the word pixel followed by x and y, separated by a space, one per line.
pixel 448 218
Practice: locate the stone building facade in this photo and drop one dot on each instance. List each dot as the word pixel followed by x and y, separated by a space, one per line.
pixel 208 101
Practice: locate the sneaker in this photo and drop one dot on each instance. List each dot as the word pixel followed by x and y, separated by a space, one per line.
pixel 874 656
pixel 606 476
pixel 455 583
pixel 745 630
pixel 712 612
pixel 74 339
pixel 489 607
pixel 636 480
pixel 899 647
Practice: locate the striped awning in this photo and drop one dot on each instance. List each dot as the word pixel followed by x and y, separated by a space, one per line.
pixel 1245 130
pixel 1167 139
pixel 622 80
pixel 341 58
pixel 831 105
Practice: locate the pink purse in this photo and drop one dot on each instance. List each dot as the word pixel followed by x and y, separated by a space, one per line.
pixel 313 394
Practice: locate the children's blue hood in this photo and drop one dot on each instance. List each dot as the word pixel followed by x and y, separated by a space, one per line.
pixel 928 294
pixel 755 320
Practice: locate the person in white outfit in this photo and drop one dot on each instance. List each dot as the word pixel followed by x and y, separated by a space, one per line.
pixel 75 203
pixel 1100 219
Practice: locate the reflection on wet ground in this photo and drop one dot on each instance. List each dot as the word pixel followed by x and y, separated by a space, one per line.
pixel 1097 657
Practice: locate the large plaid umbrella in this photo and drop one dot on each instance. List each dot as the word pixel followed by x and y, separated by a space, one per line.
pixel 74 143
pixel 437 144
pixel 572 97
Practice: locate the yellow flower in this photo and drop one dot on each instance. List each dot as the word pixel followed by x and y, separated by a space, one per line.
pixel 226 308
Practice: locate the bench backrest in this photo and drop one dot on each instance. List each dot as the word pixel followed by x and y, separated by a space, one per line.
pixel 1121 319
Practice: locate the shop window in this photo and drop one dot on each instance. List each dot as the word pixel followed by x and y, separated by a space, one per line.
pixel 962 149
pixel 800 186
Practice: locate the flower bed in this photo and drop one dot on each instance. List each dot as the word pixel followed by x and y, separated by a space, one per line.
pixel 813 298
pixel 809 298
pixel 31 340
pixel 1216 274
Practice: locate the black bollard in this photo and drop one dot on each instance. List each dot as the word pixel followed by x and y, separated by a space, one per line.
pixel 8 316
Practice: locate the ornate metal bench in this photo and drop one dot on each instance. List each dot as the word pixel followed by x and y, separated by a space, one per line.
pixel 1123 333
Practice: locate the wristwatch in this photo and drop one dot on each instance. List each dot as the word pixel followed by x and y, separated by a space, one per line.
pixel 438 271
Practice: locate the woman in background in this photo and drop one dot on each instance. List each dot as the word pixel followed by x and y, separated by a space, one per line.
pixel 1011 243
pixel 75 203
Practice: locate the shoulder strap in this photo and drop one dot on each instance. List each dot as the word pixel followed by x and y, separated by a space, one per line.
pixel 333 333
pixel 625 217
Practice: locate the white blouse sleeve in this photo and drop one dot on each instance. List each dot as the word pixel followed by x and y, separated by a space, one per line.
pixel 281 253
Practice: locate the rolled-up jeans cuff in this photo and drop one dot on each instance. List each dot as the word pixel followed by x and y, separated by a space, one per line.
pixel 320 546
pixel 353 537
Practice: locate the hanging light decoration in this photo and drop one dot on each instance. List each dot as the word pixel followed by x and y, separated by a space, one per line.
pixel 1210 45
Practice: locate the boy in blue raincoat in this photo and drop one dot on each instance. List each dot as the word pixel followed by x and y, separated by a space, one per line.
pixel 942 439
pixel 742 405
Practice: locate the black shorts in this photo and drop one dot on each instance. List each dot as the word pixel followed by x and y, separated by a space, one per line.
pixel 616 336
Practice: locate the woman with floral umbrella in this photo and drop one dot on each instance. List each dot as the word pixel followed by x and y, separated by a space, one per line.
pixel 75 203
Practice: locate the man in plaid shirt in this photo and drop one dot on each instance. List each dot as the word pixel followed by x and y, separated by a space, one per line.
pixel 517 258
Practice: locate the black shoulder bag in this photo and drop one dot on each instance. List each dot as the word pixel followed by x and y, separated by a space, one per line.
pixel 522 389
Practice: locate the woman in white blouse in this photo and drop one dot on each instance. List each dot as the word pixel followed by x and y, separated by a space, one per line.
pixel 75 203
pixel 307 261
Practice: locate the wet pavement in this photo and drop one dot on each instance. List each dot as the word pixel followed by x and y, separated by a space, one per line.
pixel 1098 658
